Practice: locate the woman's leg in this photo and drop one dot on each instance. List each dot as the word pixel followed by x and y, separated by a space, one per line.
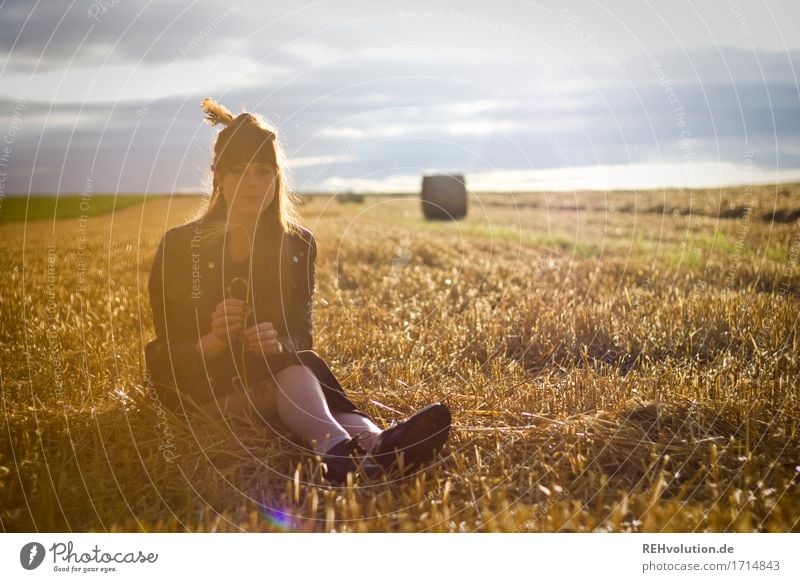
pixel 356 424
pixel 303 409
pixel 261 403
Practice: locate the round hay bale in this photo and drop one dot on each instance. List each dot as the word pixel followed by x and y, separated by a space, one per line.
pixel 444 197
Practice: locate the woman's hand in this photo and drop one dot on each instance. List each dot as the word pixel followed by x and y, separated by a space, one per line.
pixel 262 338
pixel 228 319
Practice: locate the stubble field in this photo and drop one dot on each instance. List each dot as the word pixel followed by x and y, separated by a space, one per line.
pixel 614 362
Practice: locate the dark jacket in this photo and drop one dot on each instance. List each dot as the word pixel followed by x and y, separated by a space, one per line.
pixel 186 285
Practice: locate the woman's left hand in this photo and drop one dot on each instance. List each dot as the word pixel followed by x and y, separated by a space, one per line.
pixel 262 337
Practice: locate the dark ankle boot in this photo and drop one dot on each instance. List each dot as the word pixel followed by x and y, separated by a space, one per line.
pixel 418 438
pixel 346 457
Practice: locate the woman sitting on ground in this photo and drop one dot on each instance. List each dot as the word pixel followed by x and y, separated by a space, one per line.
pixel 231 294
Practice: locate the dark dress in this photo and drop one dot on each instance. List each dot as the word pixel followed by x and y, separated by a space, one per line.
pixel 190 276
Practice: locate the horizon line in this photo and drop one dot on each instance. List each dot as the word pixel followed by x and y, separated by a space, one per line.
pixel 198 193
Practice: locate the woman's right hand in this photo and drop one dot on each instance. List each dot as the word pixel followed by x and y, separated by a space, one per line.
pixel 228 319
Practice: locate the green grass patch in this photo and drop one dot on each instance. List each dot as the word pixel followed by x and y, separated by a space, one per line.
pixel 777 254
pixel 507 233
pixel 718 242
pixel 19 209
pixel 685 257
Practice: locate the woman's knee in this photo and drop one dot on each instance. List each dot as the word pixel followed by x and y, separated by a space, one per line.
pixel 292 368
pixel 294 373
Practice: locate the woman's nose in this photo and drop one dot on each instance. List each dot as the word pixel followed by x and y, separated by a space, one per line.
pixel 250 173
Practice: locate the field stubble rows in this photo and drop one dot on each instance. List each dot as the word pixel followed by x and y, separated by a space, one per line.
pixel 607 369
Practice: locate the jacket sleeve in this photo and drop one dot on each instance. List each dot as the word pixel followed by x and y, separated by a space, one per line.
pixel 172 356
pixel 299 320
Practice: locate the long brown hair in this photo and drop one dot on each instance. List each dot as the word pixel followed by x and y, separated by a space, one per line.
pixel 248 138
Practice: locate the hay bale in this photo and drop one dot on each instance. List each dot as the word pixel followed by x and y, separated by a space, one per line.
pixel 350 197
pixel 444 197
pixel 783 216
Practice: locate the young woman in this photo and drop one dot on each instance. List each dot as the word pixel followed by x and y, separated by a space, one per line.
pixel 231 294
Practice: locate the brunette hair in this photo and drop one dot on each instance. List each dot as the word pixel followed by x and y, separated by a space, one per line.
pixel 247 138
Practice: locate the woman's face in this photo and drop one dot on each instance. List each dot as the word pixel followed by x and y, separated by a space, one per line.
pixel 249 188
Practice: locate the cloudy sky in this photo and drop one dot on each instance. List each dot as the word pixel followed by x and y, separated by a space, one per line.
pixel 369 96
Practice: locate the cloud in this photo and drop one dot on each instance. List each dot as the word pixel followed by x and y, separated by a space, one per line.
pixel 579 178
pixel 48 36
pixel 375 93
